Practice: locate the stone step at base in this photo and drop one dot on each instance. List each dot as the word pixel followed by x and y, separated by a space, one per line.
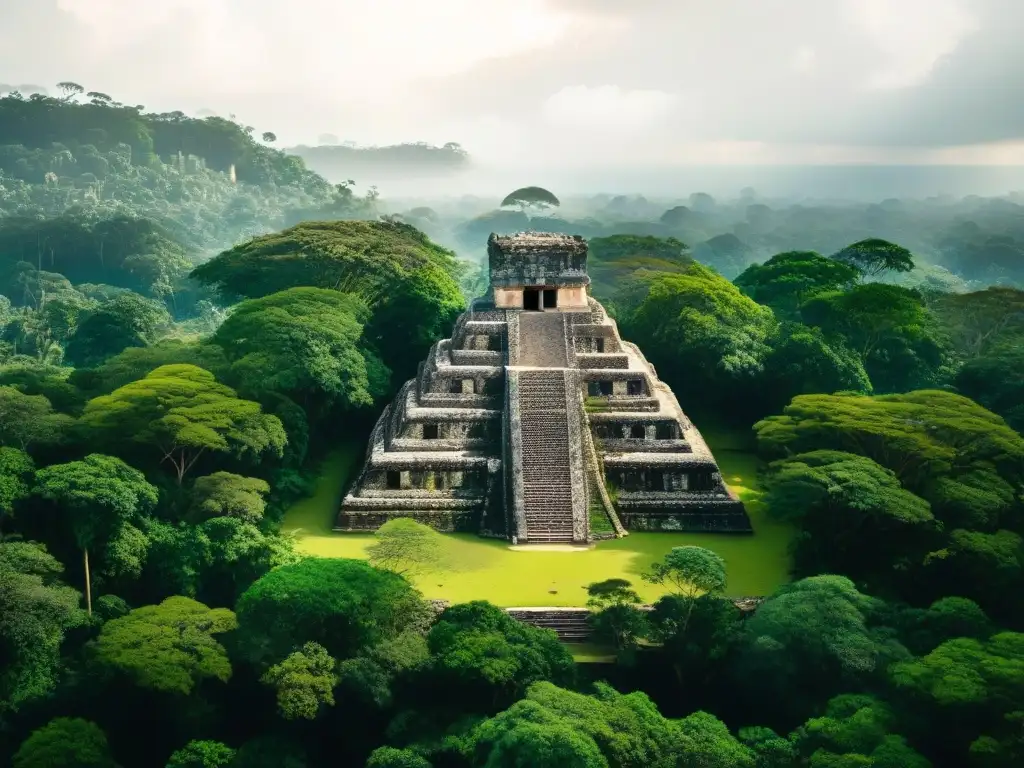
pixel 569 624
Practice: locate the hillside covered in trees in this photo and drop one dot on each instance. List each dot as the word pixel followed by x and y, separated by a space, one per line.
pixel 191 320
pixel 343 161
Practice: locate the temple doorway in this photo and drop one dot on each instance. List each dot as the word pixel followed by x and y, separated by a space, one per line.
pixel 539 299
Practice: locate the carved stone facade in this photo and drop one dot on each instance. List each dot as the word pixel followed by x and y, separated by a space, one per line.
pixel 536 421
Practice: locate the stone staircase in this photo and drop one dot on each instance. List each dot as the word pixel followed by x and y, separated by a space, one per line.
pixel 547 488
pixel 570 624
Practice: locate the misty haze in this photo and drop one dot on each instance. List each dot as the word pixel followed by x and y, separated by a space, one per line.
pixel 511 384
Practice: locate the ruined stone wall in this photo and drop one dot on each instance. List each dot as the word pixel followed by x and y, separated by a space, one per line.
pixel 574 297
pixel 515 467
pixel 508 298
pixel 577 477
pixel 443 521
pixel 696 518
pixel 536 259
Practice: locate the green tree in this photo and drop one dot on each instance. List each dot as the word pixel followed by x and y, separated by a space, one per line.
pixel 216 560
pixel 853 514
pixel 612 260
pixel 725 253
pixel 342 605
pixel 770 749
pixel 38 610
pixel 856 726
pixel 371 674
pixel 16 473
pixel 407 547
pixel 226 494
pixel 59 314
pixel 702 334
pixel 690 572
pixel 50 381
pixel 979 321
pixel 554 727
pixel 419 309
pixel 359 257
pixel 304 682
pixel 182 412
pixel 530 197
pixel 202 754
pixel 388 264
pixel 921 436
pixel 705 740
pixel 238 553
pixel 993 381
pixel 65 742
pixel 875 256
pixel 269 752
pixel 810 640
pixel 390 757
pixel 972 689
pixel 677 216
pixel 615 619
pixel 27 420
pixel 802 361
pixel 786 280
pixel 601 594
pixel 103 496
pixel 542 734
pixel 696 637
pixel 134 363
pixel 923 630
pixel 889 327
pixel 305 343
pixel 486 659
pixel 169 647
pixel 987 567
pixel 128 320
pixel 866 315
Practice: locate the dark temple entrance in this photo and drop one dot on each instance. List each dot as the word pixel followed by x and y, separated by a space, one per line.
pixel 537 299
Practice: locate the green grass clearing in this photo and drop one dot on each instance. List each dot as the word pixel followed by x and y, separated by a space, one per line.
pixel 591 653
pixel 490 570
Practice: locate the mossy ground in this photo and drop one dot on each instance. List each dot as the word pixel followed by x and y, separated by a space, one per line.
pixel 488 570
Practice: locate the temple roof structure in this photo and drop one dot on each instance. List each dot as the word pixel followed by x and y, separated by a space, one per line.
pixel 537 242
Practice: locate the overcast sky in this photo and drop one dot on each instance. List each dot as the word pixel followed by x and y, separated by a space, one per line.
pixel 578 83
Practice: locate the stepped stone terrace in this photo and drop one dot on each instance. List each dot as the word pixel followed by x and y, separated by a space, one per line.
pixel 537 422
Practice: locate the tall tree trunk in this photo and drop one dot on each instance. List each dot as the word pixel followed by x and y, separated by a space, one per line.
pixel 88 581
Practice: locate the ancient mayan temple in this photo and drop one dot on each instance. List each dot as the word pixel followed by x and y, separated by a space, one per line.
pixel 535 420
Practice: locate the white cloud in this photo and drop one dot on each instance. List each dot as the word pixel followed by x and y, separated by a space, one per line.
pixel 350 47
pixel 804 59
pixel 911 35
pixel 558 83
pixel 606 109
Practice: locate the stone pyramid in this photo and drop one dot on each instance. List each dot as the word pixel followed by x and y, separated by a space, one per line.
pixel 536 422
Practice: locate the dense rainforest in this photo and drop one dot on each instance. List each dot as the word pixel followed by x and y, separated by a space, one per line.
pixel 189 319
pixel 341 161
